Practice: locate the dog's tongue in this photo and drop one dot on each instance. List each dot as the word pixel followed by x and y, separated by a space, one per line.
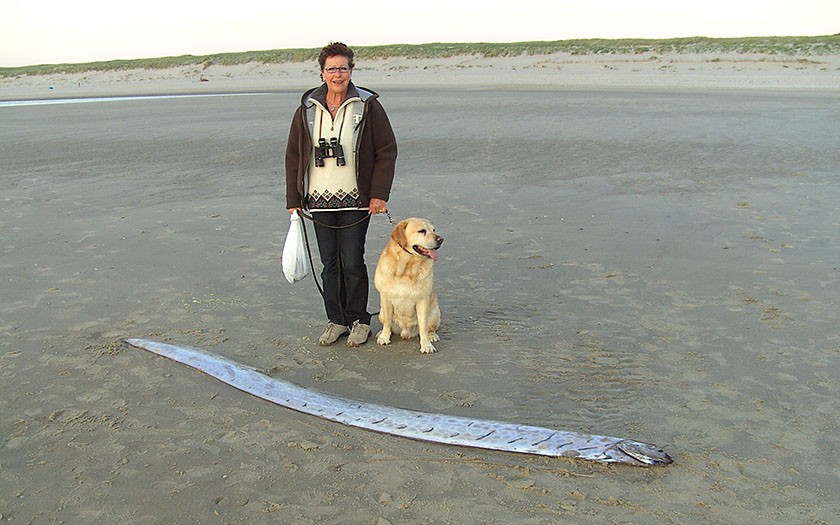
pixel 428 252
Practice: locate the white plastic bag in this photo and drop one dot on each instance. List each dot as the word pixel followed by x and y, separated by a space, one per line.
pixel 295 264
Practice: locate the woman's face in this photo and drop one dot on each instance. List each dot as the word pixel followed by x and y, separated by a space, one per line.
pixel 337 74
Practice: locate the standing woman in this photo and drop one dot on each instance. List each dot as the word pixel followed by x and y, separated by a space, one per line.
pixel 340 161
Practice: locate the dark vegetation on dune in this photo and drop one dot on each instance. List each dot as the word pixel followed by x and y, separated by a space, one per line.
pixel 782 46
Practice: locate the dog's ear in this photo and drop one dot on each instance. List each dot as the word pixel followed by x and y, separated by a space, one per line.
pixel 398 235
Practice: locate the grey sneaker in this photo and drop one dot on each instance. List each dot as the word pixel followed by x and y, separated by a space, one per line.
pixel 359 334
pixel 331 334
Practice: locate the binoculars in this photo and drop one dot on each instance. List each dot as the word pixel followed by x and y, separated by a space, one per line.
pixel 329 150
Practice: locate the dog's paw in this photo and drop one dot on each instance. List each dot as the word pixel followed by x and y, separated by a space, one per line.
pixel 433 337
pixel 428 348
pixel 383 338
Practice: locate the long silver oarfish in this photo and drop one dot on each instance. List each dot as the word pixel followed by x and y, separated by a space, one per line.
pixel 438 428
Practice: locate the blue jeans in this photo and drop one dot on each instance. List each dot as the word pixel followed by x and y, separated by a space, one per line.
pixel 345 275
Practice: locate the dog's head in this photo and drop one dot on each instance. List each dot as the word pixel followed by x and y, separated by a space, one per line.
pixel 417 237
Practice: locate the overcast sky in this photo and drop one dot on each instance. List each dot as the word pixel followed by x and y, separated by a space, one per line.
pixel 61 31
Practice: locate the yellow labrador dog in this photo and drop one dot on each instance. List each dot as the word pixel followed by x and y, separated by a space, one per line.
pixel 404 280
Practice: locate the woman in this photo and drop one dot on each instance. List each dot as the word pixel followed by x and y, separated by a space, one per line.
pixel 340 161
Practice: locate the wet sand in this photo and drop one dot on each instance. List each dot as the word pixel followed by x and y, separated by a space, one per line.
pixel 658 262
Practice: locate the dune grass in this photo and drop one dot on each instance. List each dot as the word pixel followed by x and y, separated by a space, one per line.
pixel 784 46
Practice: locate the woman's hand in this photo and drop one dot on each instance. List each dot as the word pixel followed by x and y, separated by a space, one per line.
pixel 377 206
pixel 292 210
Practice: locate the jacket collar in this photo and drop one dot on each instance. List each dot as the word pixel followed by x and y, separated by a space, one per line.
pixel 320 94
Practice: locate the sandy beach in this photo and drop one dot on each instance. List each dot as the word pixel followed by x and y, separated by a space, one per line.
pixel 635 246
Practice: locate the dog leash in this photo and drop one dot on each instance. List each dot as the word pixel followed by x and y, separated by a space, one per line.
pixel 363 219
pixel 309 250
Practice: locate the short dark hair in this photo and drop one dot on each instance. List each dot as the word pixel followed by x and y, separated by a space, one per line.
pixel 334 49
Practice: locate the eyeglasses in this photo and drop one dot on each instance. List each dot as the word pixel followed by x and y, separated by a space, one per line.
pixel 331 70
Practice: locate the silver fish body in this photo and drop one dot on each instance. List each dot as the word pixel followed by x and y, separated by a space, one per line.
pixel 423 426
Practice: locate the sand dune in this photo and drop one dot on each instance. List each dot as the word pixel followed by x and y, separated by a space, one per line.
pixel 707 70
